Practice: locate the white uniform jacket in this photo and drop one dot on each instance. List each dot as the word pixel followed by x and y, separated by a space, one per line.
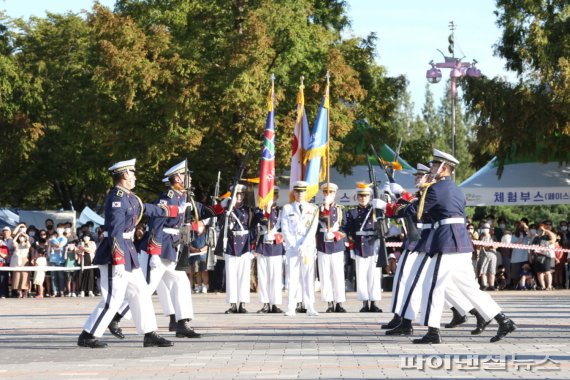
pixel 299 229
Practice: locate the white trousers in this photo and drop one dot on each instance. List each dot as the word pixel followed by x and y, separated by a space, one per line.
pixel 413 291
pixel 301 281
pixel 238 273
pixel 331 275
pixel 270 279
pixel 456 268
pixel 403 270
pixel 175 292
pixel 130 287
pixel 368 279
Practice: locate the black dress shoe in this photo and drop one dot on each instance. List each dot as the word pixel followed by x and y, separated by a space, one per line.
pixel 241 308
pixel 172 323
pixel 374 308
pixel 300 308
pixel 365 308
pixel 233 309
pixel 265 309
pixel 432 337
pixel 276 310
pixel 330 309
pixel 457 319
pixel 481 323
pixel 339 309
pixel 393 323
pixel 88 340
pixel 152 339
pixel 116 330
pixel 183 330
pixel 401 330
pixel 506 326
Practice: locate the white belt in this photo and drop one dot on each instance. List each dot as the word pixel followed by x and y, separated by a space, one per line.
pixel 448 221
pixel 171 231
pixel 365 233
pixel 126 235
pixel 240 233
pixel 325 230
pixel 423 226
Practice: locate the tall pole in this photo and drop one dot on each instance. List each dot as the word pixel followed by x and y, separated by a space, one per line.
pixel 327 99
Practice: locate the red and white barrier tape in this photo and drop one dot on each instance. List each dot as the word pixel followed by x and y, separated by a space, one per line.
pixel 496 244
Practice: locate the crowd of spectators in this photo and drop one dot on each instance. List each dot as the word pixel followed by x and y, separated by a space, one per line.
pixel 55 246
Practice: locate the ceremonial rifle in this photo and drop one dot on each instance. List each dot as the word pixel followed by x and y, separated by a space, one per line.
pixel 378 223
pixel 222 242
pixel 409 225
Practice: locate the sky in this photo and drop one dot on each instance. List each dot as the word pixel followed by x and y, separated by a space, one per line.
pixel 409 32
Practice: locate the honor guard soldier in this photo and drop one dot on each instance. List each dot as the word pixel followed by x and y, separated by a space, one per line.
pixel 450 248
pixel 360 227
pixel 269 248
pixel 331 241
pixel 163 250
pixel 238 253
pixel 299 223
pixel 121 275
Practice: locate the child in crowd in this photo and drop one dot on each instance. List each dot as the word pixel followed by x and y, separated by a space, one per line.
pixel 501 277
pixel 527 281
pixel 40 275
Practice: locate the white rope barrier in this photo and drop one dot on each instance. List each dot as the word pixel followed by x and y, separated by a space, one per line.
pixel 46 268
pixel 496 244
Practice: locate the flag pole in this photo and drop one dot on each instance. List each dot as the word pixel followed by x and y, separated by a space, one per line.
pixel 272 110
pixel 300 124
pixel 328 145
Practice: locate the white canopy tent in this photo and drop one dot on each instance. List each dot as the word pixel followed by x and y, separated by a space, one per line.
pixel 528 183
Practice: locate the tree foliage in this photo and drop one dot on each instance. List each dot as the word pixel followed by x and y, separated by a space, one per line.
pixel 531 117
pixel 167 80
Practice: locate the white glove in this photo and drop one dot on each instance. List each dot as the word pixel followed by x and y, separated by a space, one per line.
pixel 396 189
pixel 387 190
pixel 118 271
pixel 225 202
pixel 154 261
pixel 182 208
pixel 329 235
pixel 379 204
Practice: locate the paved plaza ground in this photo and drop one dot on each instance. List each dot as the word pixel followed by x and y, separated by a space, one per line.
pixel 38 341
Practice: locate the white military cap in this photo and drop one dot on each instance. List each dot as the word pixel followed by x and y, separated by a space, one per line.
pixel 300 186
pixel 240 188
pixel 122 166
pixel 422 169
pixel 165 180
pixel 329 186
pixel 363 188
pixel 439 156
pixel 179 168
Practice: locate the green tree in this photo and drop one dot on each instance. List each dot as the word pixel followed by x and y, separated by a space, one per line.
pixel 533 115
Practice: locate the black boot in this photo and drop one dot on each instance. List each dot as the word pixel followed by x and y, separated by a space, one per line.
pixel 330 309
pixel 365 308
pixel 265 309
pixel 457 319
pixel 114 327
pixel 275 309
pixel 233 309
pixel 183 330
pixel 339 308
pixel 393 323
pixel 172 323
pixel 152 339
pixel 88 340
pixel 432 336
pixel 506 326
pixel 404 328
pixel 481 323
pixel 300 308
pixel 374 308
pixel 241 308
